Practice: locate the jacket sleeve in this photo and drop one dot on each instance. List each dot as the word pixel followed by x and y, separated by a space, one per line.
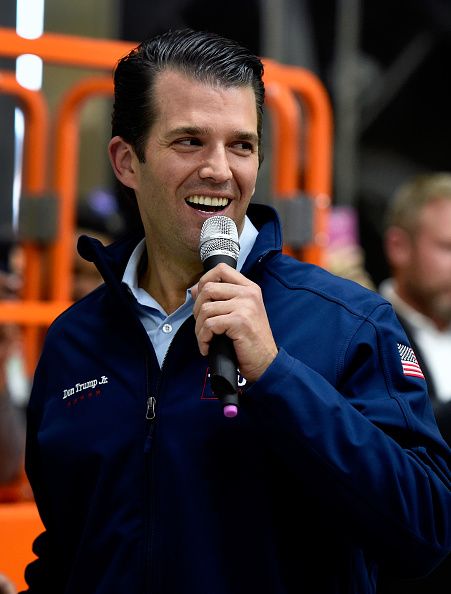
pixel 368 443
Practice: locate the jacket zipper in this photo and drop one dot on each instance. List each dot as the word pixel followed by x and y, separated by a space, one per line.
pixel 150 412
pixel 150 421
pixel 150 408
pixel 151 402
pixel 150 418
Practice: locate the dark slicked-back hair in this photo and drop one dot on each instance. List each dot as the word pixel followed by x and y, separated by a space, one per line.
pixel 203 56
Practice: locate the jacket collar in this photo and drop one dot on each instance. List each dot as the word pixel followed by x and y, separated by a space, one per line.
pixel 112 260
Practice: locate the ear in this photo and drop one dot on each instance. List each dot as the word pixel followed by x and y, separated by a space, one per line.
pixel 123 161
pixel 398 247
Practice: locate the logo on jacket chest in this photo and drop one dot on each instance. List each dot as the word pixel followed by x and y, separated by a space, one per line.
pixel 84 389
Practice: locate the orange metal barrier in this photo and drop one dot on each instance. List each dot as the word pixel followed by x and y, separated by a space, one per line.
pixel 64 50
pixel 34 184
pixel 317 180
pixel 31 312
pixel 285 139
pixel 286 154
pixel 20 524
pixel 35 164
pixel 68 50
pixel 65 179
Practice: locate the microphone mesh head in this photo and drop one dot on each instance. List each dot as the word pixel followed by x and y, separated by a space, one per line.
pixel 219 235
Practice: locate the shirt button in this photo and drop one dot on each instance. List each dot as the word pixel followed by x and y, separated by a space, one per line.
pixel 167 328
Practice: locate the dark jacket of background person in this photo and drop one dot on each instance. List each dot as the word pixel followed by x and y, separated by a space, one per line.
pixel 438 581
pixel 418 244
pixel 332 472
pixel 442 410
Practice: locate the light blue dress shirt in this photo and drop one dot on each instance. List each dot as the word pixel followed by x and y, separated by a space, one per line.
pixel 160 327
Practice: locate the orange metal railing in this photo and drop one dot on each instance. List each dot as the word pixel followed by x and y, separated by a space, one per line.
pixel 319 134
pixel 68 50
pixel 65 179
pixel 34 186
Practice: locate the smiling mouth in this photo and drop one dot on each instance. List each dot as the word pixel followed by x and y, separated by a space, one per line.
pixel 207 203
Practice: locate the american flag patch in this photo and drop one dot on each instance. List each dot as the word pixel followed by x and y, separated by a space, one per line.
pixel 409 362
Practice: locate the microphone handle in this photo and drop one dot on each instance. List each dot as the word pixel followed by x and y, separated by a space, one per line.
pixel 222 357
pixel 223 369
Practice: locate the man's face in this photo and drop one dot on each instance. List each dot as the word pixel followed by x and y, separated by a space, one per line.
pixel 201 158
pixel 428 270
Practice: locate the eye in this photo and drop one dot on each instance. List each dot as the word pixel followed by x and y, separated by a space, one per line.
pixel 244 146
pixel 188 142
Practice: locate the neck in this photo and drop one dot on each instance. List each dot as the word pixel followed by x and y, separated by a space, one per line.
pixel 167 280
pixel 421 308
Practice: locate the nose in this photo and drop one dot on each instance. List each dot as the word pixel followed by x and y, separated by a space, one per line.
pixel 216 166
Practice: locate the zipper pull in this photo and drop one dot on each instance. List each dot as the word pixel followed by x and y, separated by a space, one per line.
pixel 150 412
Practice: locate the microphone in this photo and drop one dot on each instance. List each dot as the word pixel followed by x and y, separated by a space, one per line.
pixel 219 243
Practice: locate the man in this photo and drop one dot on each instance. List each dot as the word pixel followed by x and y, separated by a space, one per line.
pixel 12 430
pixel 418 248
pixel 333 470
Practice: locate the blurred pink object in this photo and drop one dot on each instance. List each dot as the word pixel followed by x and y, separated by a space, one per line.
pixel 343 227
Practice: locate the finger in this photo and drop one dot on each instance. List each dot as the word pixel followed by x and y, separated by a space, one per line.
pixel 223 273
pixel 225 283
pixel 212 309
pixel 216 292
pixel 219 324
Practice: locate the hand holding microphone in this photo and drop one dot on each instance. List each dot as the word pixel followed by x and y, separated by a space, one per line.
pixel 231 321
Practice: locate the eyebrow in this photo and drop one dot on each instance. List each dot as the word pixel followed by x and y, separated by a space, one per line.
pixel 250 136
pixel 200 131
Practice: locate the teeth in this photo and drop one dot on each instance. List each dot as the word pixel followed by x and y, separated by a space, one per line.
pixel 208 201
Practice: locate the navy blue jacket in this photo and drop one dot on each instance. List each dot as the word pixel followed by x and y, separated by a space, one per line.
pixel 333 471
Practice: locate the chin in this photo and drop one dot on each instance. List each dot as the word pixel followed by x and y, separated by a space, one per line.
pixel 440 307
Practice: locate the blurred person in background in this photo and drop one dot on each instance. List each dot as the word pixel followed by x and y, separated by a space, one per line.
pixel 98 215
pixel 12 429
pixel 6 586
pixel 418 250
pixel 12 425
